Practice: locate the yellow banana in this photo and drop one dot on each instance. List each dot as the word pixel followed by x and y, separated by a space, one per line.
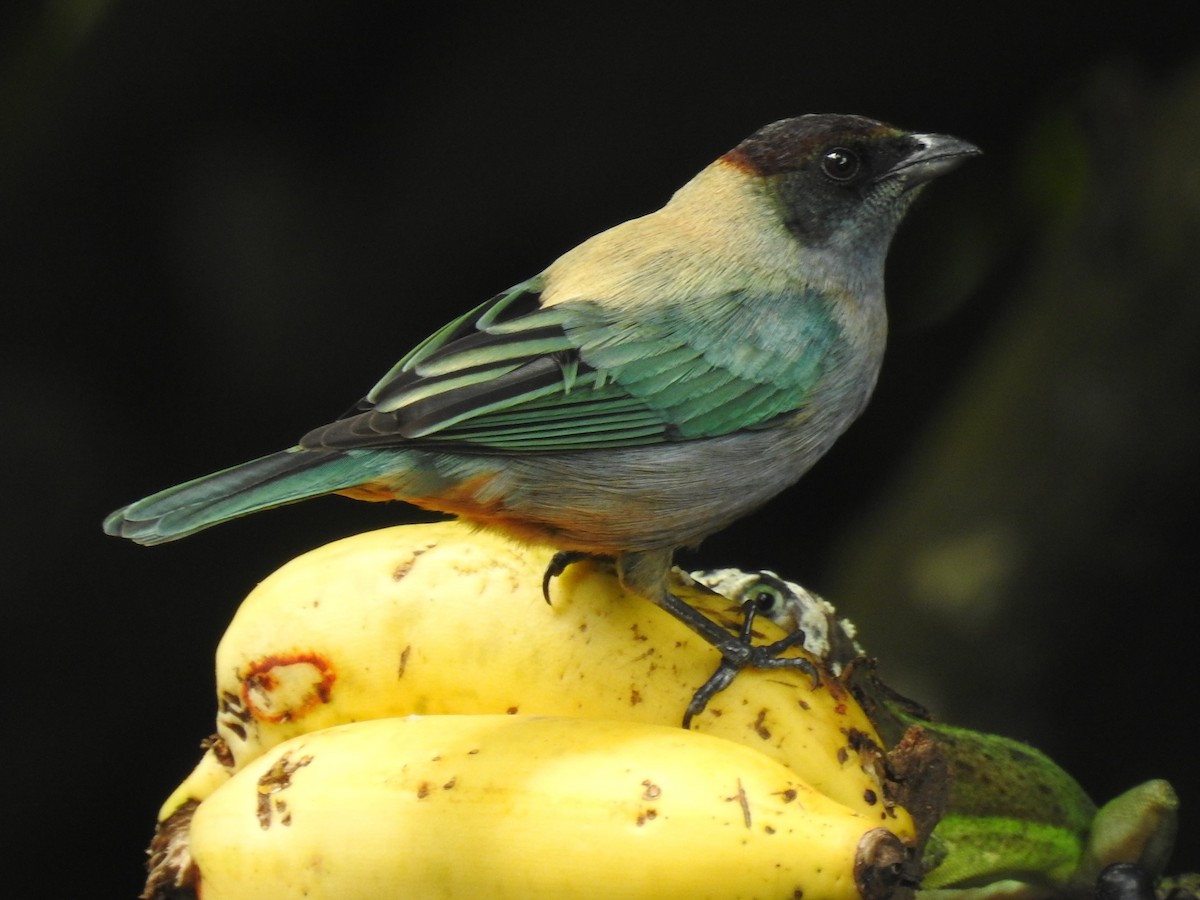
pixel 527 807
pixel 438 618
pixel 1015 824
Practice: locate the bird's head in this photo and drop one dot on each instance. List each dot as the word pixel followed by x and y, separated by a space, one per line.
pixel 843 183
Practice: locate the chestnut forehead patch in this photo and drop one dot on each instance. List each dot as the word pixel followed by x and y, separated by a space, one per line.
pixel 790 144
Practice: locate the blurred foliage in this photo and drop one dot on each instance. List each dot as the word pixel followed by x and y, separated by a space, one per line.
pixel 1039 531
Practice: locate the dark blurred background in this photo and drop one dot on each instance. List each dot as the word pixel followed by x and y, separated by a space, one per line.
pixel 220 223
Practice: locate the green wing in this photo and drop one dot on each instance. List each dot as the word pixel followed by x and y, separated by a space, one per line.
pixel 514 376
pixel 713 366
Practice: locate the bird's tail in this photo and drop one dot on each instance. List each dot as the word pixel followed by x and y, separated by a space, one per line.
pixel 275 480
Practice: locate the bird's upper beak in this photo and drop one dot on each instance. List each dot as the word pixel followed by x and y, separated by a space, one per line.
pixel 936 154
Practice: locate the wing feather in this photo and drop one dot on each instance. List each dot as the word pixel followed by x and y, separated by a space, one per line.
pixel 514 376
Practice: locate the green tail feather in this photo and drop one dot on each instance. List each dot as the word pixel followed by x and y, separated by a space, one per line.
pixel 264 483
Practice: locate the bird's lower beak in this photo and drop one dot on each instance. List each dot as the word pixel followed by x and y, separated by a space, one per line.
pixel 937 154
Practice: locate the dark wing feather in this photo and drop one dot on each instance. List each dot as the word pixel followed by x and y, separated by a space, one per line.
pixel 505 377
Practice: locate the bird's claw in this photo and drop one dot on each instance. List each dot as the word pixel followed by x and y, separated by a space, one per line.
pixel 559 563
pixel 739 653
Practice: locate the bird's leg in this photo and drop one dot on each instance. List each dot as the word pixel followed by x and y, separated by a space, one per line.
pixel 559 564
pixel 645 573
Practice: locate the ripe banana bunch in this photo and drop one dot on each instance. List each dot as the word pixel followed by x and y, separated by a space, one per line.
pixel 402 713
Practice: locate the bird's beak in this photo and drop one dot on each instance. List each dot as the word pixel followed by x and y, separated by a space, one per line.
pixel 935 155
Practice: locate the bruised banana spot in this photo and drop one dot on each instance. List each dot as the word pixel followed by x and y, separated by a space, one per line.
pixel 837 690
pixel 402 568
pixel 403 660
pixel 220 749
pixel 232 705
pixel 285 687
pixel 650 791
pixel 233 714
pixel 743 802
pixel 760 727
pixel 272 783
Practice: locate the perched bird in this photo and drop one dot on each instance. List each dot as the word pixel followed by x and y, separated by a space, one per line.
pixel 649 387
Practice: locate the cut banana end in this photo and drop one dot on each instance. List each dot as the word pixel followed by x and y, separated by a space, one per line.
pixel 526 807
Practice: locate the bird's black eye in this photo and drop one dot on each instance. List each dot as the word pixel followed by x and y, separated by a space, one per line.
pixel 840 164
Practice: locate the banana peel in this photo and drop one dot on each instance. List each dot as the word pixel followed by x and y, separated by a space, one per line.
pixel 441 621
pixel 530 807
pixel 1010 823
pixel 438 619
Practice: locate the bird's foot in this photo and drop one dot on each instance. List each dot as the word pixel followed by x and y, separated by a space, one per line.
pixel 560 562
pixel 739 653
pixel 645 573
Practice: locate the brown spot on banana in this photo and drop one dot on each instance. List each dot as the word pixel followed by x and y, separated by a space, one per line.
pixel 760 728
pixel 283 688
pixel 400 572
pixel 744 802
pixel 273 782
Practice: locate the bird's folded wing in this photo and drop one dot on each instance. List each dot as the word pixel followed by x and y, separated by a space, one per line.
pixel 512 376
